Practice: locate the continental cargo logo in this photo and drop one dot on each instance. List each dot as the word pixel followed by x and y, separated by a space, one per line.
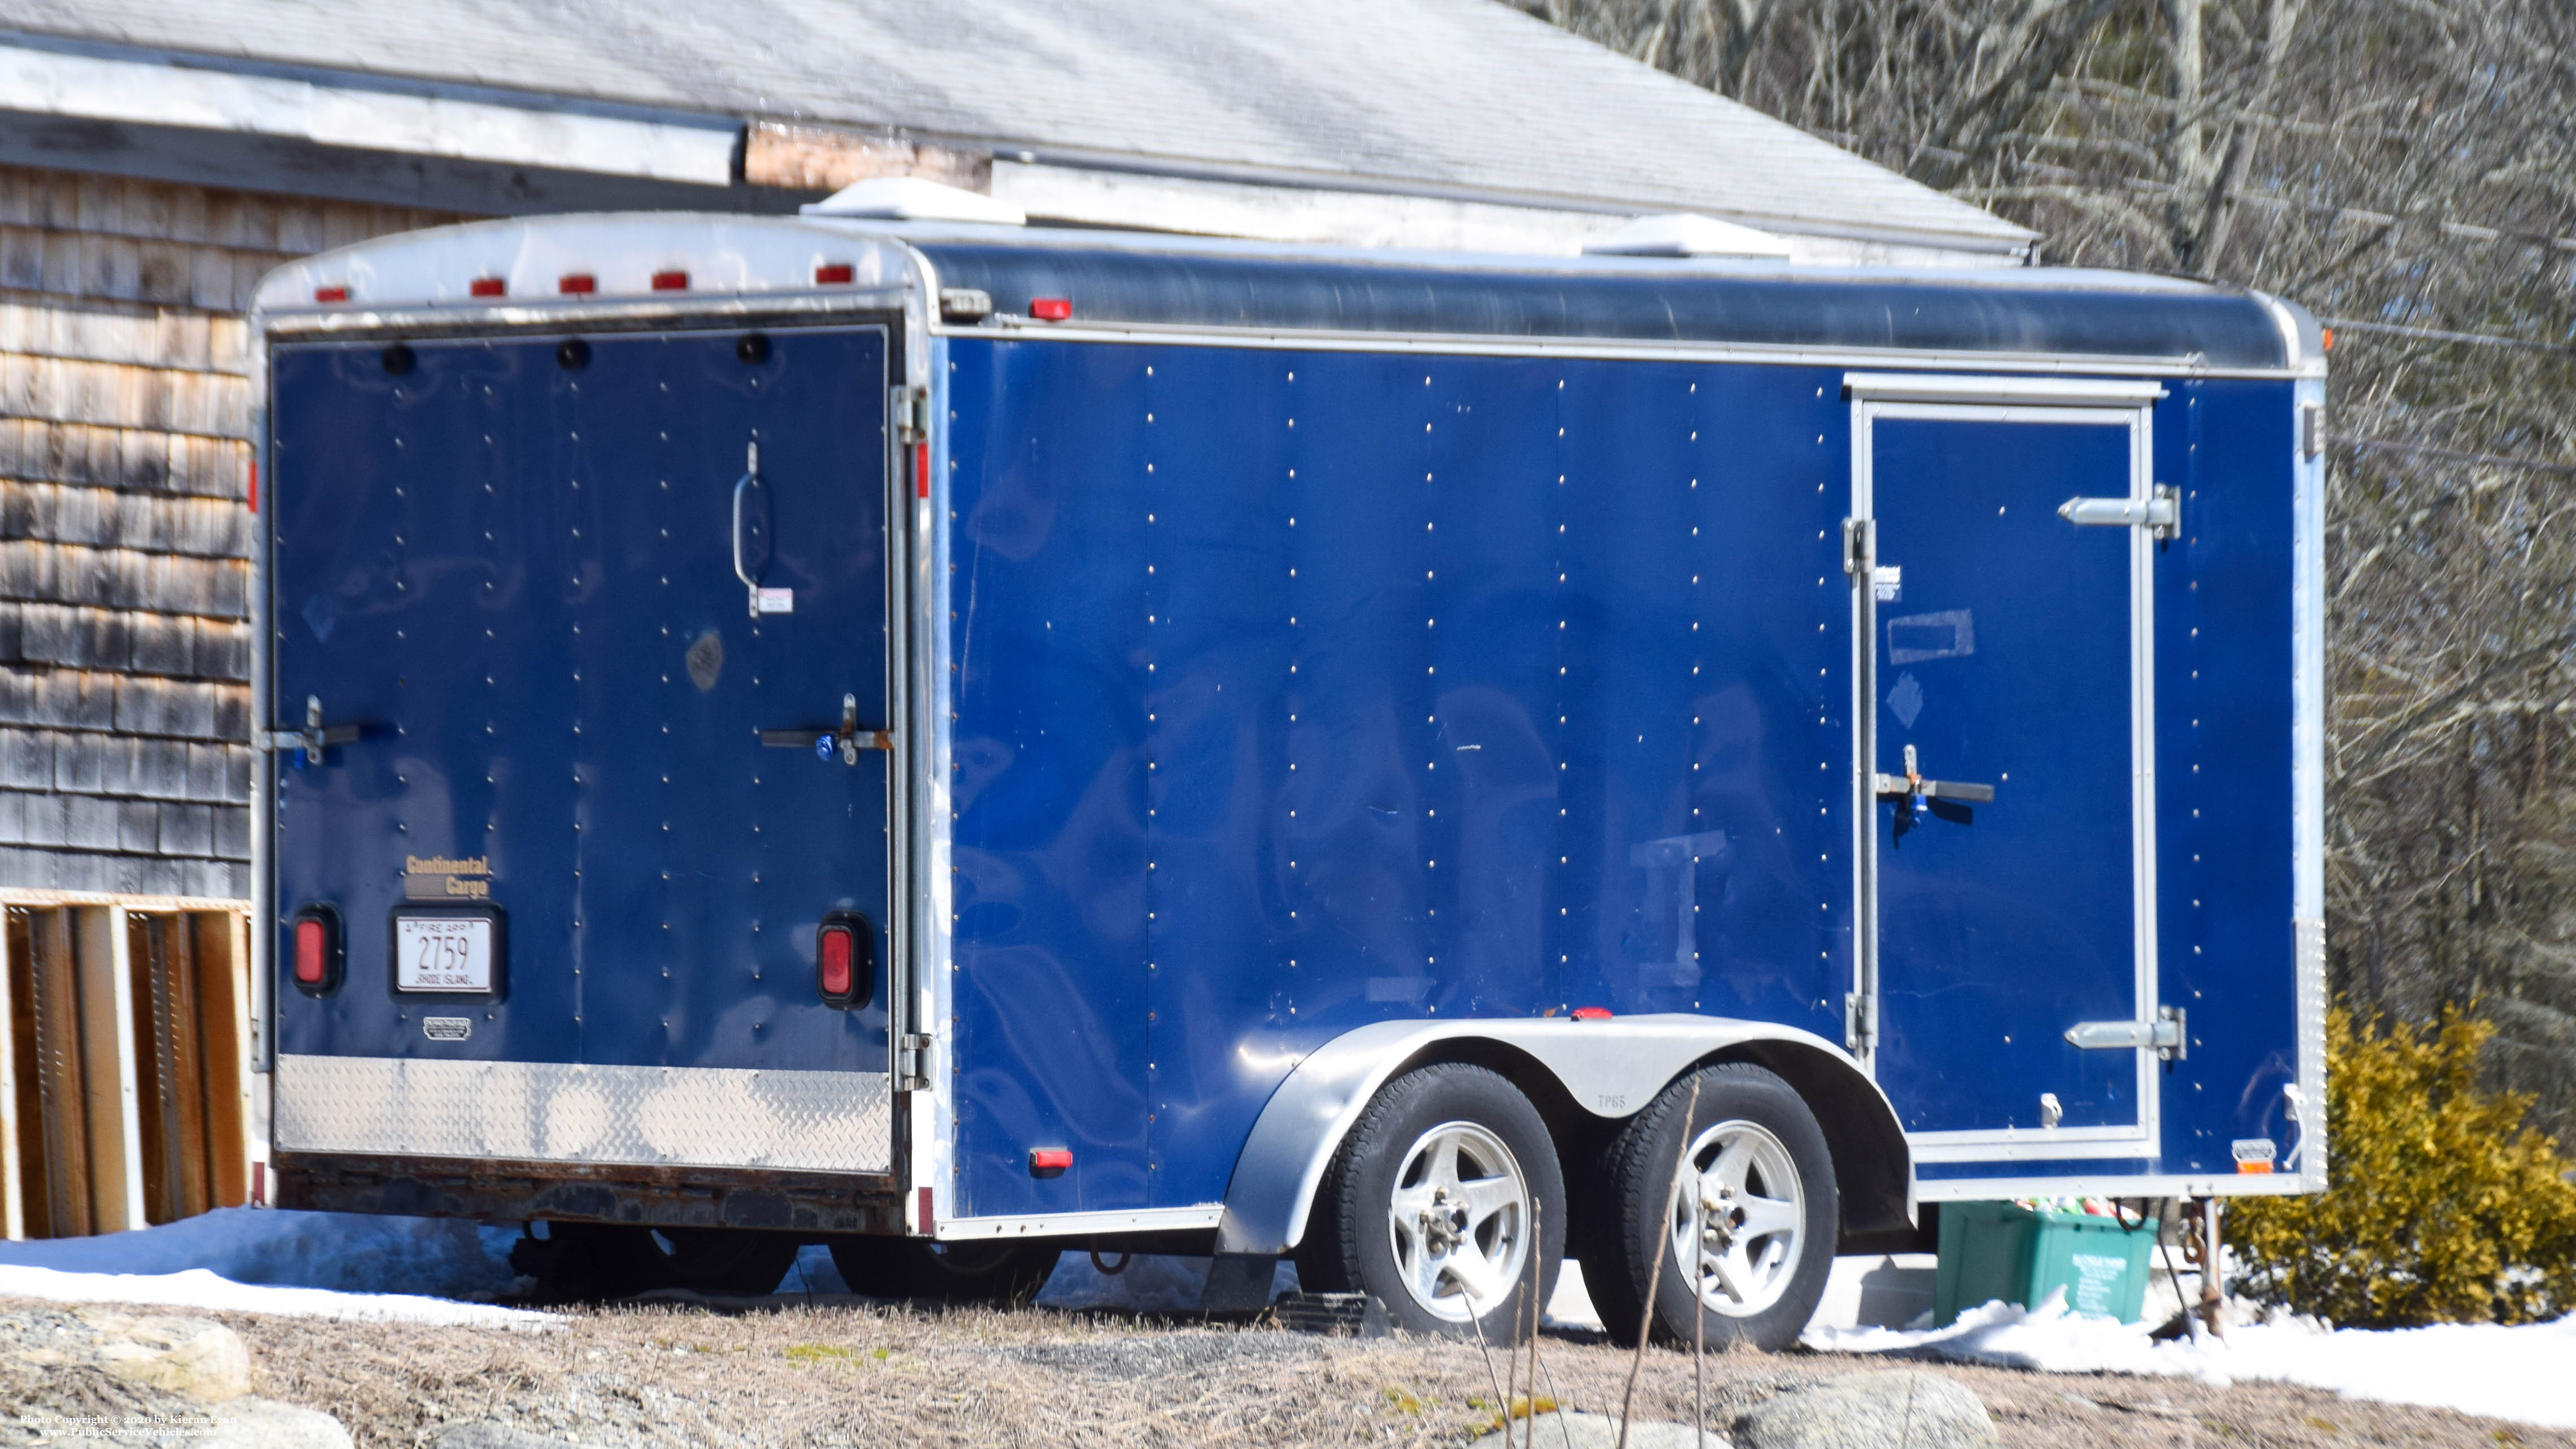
pixel 443 877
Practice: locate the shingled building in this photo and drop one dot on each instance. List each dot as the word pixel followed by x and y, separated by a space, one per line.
pixel 157 156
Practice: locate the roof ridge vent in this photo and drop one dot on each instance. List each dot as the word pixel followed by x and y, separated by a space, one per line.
pixel 1686 234
pixel 910 198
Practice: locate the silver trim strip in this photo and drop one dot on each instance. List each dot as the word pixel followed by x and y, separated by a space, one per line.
pixel 1449 344
pixel 2307 784
pixel 1068 1225
pixel 574 1112
pixel 1952 388
pixel 2145 1184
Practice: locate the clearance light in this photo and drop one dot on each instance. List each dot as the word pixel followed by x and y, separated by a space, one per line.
pixel 574 284
pixel 670 281
pixel 312 952
pixel 1051 309
pixel 1591 1013
pixel 835 274
pixel 844 960
pixel 837 950
pixel 317 951
pixel 1050 1159
pixel 331 294
pixel 488 287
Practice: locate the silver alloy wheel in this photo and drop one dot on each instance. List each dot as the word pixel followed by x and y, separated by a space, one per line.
pixel 1459 1221
pixel 1739 1223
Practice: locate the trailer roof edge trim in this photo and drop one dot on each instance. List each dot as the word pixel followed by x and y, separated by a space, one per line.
pixel 1172 283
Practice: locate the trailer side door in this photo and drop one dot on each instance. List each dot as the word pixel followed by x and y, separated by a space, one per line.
pixel 2003 763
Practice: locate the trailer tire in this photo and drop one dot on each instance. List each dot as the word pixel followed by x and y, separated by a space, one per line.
pixel 1762 1159
pixel 886 1267
pixel 1434 1192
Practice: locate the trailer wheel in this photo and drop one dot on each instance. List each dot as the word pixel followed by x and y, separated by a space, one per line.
pixel 1749 1237
pixel 1445 1204
pixel 944 1272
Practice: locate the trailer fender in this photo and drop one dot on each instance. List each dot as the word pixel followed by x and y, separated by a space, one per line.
pixel 1612 1069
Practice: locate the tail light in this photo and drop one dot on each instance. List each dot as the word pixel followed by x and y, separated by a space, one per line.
pixel 845 960
pixel 1051 309
pixel 331 294
pixel 316 942
pixel 835 274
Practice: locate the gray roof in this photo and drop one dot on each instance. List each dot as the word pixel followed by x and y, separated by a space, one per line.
pixel 1460 98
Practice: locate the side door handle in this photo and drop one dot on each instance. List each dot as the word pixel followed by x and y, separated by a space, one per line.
pixel 826 741
pixel 742 488
pixel 1912 786
pixel 2160 512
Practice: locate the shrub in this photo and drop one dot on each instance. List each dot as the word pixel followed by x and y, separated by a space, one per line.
pixel 2445 1205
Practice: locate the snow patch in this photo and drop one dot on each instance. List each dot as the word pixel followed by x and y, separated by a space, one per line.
pixel 253 1260
pixel 2515 1373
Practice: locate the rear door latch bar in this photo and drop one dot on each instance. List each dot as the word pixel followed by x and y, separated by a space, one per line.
pixel 826 742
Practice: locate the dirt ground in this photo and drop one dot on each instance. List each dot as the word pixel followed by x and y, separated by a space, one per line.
pixel 857 1374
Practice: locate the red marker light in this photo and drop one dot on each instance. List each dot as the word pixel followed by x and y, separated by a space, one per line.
pixel 488 287
pixel 921 469
pixel 254 484
pixel 1051 309
pixel 670 281
pixel 835 274
pixel 331 294
pixel 1050 1159
pixel 838 948
pixel 575 284
pixel 312 952
pixel 1591 1013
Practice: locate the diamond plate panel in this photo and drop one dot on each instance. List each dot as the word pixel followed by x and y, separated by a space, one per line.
pixel 558 1112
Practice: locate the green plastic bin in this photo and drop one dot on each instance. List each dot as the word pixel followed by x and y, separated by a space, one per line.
pixel 1997 1250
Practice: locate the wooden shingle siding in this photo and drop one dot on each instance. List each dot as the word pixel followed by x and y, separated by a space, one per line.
pixel 125 707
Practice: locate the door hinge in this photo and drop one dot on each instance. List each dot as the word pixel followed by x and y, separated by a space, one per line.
pixel 2160 512
pixel 912 1061
pixel 1856 1022
pixel 911 415
pixel 2169 1033
pixel 1860 545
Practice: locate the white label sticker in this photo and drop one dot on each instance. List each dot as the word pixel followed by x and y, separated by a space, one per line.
pixel 778 601
pixel 1886 582
pixel 446 1028
pixel 443 953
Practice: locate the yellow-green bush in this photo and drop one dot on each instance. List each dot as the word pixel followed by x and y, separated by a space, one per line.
pixel 2444 1205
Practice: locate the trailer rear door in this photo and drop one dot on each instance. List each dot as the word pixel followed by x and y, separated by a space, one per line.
pixel 2004 770
pixel 608 615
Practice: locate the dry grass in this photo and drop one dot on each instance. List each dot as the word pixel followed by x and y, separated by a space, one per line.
pixel 878 1376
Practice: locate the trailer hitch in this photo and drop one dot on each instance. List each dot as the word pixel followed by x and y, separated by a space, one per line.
pixel 826 742
pixel 314 738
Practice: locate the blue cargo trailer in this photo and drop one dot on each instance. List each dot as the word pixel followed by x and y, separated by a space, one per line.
pixel 965 741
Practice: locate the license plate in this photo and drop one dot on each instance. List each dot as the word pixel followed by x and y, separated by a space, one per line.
pixel 443 953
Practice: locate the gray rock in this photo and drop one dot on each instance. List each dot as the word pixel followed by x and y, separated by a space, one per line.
pixel 195 1358
pixel 1572 1430
pixel 268 1424
pixel 1898 1409
pixel 492 1434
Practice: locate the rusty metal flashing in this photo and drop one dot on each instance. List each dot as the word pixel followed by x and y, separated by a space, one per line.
pixel 574 1192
